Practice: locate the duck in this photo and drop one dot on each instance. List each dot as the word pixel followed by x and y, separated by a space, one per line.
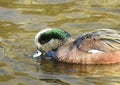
pixel 101 46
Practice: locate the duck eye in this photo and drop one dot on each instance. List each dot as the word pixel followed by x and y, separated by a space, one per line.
pixel 41 41
pixel 44 41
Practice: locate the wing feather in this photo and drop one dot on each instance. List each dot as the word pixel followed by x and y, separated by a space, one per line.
pixel 101 39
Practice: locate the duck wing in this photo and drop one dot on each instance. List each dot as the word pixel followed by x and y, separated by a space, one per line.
pixel 100 40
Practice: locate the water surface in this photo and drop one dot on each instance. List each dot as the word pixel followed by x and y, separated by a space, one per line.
pixel 20 20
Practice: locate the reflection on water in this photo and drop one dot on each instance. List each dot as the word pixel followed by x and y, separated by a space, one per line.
pixel 75 69
pixel 20 20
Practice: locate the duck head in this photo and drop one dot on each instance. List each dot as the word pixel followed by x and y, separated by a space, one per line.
pixel 49 39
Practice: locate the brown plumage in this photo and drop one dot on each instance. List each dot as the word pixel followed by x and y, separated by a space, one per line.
pixel 97 47
pixel 105 41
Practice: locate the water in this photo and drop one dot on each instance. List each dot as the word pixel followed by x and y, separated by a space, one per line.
pixel 20 20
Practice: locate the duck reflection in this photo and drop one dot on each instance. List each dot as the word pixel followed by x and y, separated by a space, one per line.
pixel 48 66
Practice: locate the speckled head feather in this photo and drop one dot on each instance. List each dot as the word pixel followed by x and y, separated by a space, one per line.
pixel 49 39
pixel 53 34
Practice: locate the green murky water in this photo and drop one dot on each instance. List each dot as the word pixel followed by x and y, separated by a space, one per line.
pixel 20 20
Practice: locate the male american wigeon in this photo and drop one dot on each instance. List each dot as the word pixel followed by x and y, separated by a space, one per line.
pixel 97 47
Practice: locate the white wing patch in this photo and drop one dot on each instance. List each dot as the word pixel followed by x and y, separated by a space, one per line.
pixel 94 51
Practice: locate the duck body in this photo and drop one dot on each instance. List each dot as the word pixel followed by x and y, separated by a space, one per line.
pixel 72 54
pixel 97 47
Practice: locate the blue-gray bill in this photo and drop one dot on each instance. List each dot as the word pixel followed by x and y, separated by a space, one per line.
pixel 51 55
